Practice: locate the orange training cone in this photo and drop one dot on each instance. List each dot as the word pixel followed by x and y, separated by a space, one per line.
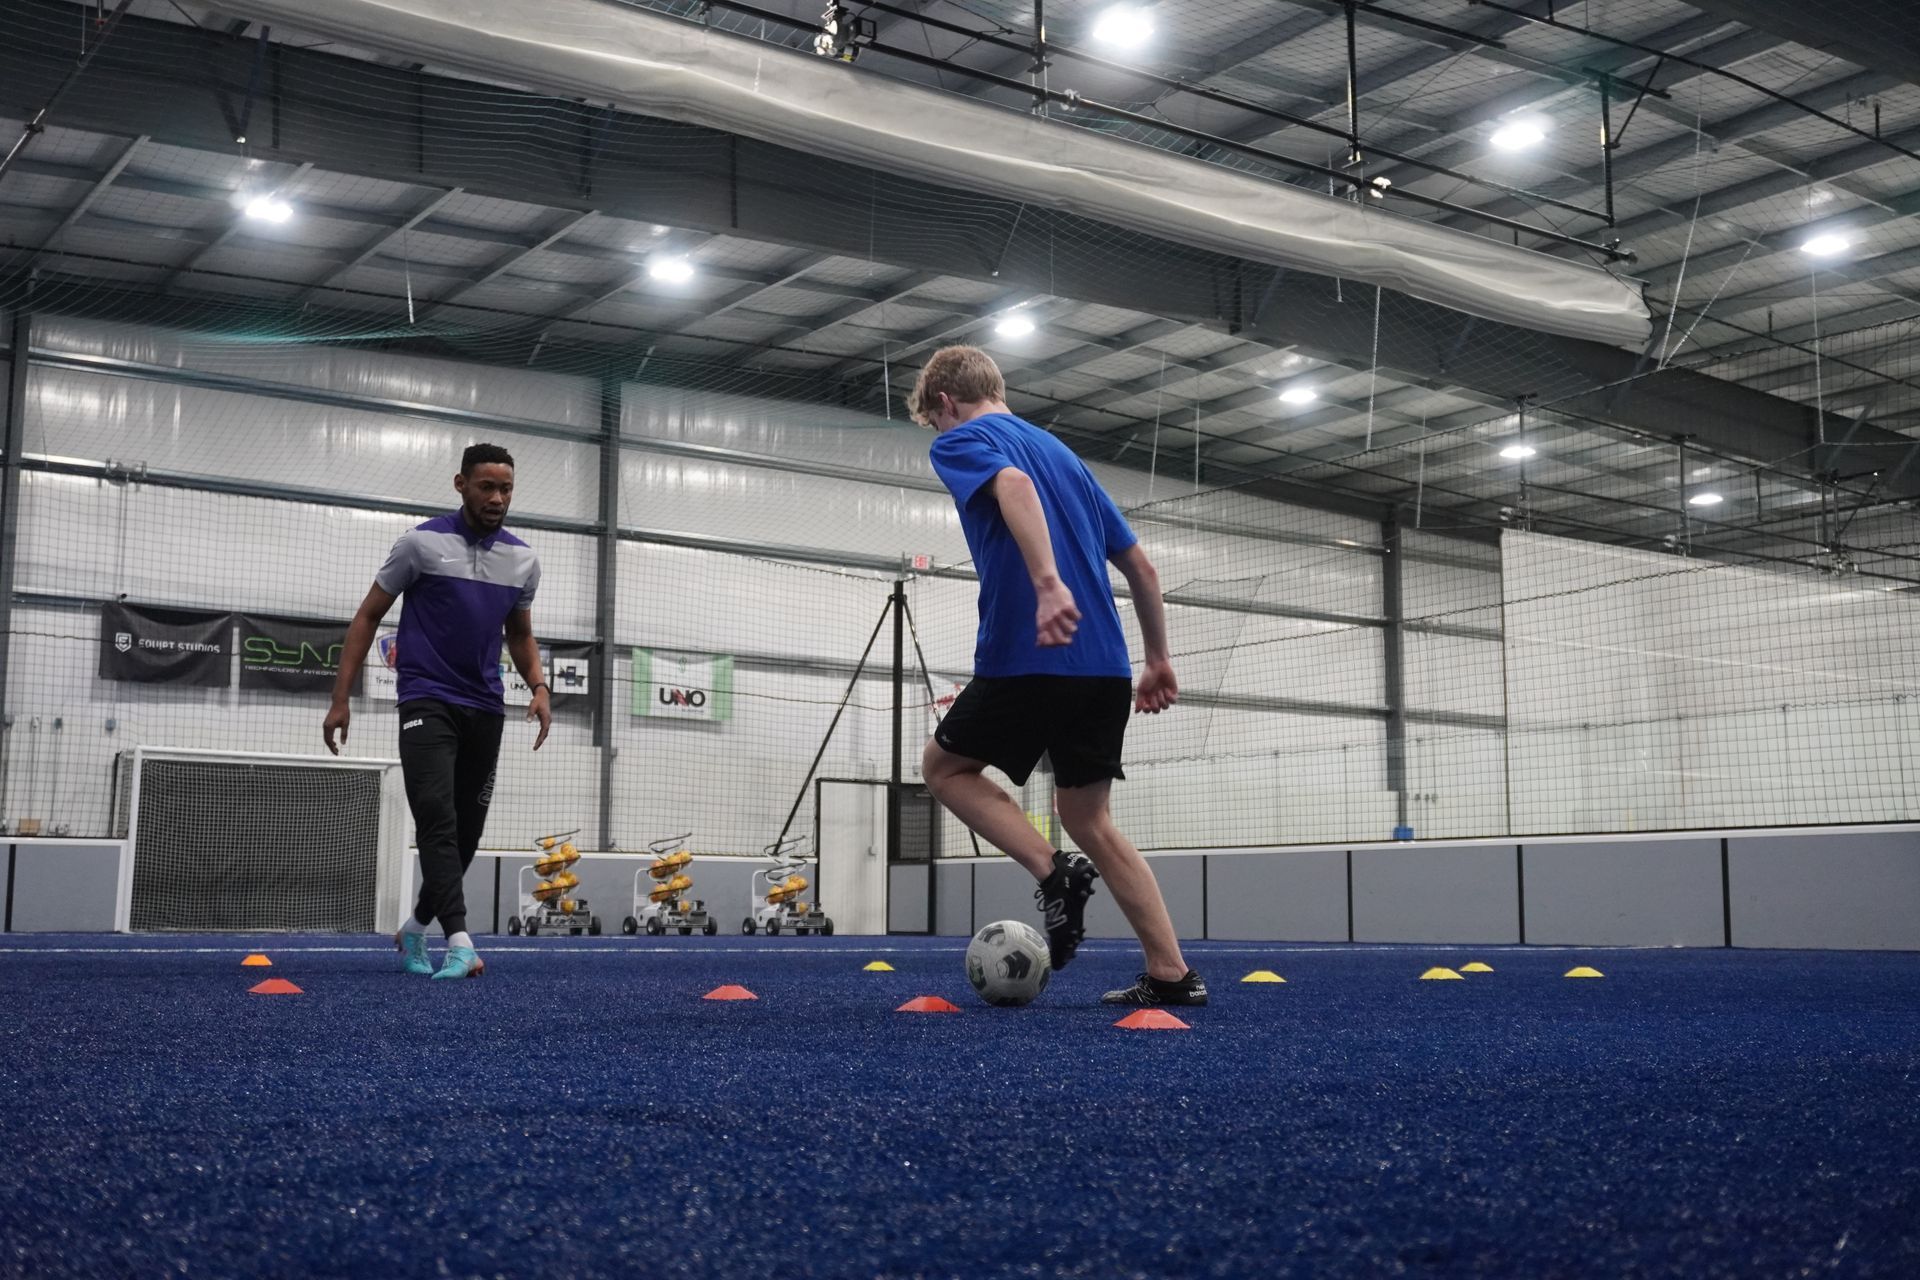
pixel 1151 1020
pixel 730 993
pixel 928 1004
pixel 256 961
pixel 275 987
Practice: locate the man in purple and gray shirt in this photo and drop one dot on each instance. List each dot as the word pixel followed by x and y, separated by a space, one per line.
pixel 466 580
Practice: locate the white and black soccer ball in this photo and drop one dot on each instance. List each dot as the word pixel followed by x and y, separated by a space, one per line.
pixel 1008 964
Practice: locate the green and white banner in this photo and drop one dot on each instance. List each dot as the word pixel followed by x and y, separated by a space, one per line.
pixel 682 686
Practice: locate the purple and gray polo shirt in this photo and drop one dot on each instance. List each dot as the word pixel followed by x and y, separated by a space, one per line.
pixel 460 587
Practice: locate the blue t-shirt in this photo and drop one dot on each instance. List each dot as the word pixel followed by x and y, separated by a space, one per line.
pixel 1086 528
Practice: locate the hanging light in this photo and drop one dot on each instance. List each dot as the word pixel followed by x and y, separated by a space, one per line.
pixel 268 208
pixel 1825 245
pixel 670 270
pixel 1014 326
pixel 1705 500
pixel 1518 452
pixel 1299 395
pixel 1126 25
pixel 1519 135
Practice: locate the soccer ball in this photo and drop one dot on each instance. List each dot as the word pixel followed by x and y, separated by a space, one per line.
pixel 1008 964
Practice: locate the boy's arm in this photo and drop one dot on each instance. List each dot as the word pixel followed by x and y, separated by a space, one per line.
pixel 1057 617
pixel 1158 689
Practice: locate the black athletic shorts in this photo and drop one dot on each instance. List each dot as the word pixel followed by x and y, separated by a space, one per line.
pixel 1009 721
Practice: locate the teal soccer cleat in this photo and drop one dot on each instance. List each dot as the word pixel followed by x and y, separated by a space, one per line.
pixel 414 947
pixel 461 962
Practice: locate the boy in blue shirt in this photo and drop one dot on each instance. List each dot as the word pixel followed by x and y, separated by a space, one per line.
pixel 1051 673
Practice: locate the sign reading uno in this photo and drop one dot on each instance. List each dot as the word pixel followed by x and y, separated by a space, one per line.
pixel 682 686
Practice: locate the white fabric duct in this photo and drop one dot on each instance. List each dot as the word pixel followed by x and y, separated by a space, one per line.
pixel 673 69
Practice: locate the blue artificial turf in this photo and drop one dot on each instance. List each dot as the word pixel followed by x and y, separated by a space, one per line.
pixel 581 1111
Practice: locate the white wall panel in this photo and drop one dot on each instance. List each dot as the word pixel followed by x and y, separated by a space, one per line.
pixel 307 446
pixel 449 384
pixel 1453 673
pixel 1649 691
pixel 90 538
pixel 701 600
pixel 784 508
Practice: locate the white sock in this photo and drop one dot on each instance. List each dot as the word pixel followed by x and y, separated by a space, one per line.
pixel 460 939
pixel 413 926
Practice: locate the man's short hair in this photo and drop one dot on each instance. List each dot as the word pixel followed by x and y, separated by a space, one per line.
pixel 968 374
pixel 478 455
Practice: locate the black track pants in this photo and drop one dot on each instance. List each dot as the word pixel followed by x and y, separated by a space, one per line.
pixel 447 755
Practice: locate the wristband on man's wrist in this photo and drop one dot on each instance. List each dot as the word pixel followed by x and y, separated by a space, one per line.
pixel 537 687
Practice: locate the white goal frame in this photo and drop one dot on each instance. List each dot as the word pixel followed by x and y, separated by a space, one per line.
pixel 392 869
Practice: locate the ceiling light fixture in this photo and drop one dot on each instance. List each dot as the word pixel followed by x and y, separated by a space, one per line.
pixel 1013 327
pixel 670 270
pixel 1125 25
pixel 1825 245
pixel 1705 500
pixel 1518 135
pixel 1299 395
pixel 269 209
pixel 1518 452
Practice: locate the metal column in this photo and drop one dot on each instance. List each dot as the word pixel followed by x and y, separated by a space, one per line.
pixel 1392 607
pixel 13 440
pixel 897 779
pixel 606 582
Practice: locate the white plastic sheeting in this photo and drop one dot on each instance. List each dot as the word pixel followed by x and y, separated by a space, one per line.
pixel 231 435
pixel 553 399
pixel 1651 693
pixel 678 70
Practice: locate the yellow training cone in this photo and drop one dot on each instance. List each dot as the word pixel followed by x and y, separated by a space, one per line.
pixel 1584 972
pixel 878 966
pixel 256 961
pixel 1476 967
pixel 1263 975
pixel 1441 975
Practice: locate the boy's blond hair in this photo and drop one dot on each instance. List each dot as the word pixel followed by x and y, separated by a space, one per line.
pixel 968 374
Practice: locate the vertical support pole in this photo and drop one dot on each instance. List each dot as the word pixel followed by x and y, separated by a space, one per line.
pixel 1686 524
pixel 13 439
pixel 1606 144
pixel 1353 89
pixel 1393 609
pixel 897 779
pixel 1040 56
pixel 606 585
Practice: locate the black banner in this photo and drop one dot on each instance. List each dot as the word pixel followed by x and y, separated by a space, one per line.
pixel 289 654
pixel 165 646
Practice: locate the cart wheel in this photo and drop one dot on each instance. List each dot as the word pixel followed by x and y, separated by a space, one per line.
pixel 746 926
pixel 685 929
pixel 593 927
pixel 826 929
pixel 629 926
pixel 532 926
pixel 713 927
pixel 773 928
pixel 513 925
pixel 655 928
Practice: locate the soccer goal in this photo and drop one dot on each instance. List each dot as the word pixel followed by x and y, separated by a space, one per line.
pixel 233 841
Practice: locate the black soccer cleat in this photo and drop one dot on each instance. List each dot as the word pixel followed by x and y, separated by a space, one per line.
pixel 1063 904
pixel 1151 991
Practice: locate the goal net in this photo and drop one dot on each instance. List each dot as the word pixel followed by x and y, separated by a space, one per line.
pixel 233 841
